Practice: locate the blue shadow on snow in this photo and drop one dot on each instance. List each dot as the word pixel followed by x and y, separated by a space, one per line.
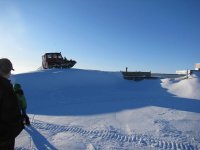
pixel 39 140
pixel 101 100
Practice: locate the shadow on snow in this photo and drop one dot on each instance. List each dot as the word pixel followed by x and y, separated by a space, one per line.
pixel 105 100
pixel 39 140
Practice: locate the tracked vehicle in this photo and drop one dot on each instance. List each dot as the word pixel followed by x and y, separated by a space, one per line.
pixel 55 60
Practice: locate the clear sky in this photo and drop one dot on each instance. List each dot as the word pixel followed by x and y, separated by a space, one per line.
pixel 109 35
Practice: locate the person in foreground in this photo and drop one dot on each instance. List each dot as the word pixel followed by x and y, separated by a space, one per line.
pixel 10 116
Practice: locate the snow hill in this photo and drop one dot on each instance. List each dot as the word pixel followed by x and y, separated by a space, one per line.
pixel 94 110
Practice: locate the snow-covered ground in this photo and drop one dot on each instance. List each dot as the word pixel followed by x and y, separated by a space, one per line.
pixel 77 109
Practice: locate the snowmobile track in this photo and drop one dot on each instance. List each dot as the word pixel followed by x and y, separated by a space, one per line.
pixel 112 135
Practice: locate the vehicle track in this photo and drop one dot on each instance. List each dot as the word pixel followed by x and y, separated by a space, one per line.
pixel 113 135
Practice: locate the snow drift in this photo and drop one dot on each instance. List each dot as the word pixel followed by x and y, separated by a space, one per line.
pixel 182 87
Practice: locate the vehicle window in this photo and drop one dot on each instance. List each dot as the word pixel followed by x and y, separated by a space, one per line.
pixel 49 56
pixel 54 56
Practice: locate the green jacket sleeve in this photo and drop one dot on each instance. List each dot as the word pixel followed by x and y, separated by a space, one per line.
pixel 22 101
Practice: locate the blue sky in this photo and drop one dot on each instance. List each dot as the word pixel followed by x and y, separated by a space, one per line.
pixel 143 35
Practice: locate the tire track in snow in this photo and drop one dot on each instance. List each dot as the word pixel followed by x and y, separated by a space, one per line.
pixel 113 135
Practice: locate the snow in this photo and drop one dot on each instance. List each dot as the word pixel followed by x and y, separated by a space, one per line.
pixel 95 110
pixel 183 88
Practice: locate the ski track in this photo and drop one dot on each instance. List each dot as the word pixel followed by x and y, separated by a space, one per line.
pixel 113 135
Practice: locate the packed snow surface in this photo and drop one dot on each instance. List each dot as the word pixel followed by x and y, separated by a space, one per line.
pixel 73 109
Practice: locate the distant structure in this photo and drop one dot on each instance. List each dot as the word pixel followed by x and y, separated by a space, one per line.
pixel 182 71
pixel 135 75
pixel 140 75
pixel 197 66
pixel 189 72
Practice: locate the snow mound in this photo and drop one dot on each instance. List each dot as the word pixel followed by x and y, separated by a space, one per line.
pixel 63 89
pixel 88 109
pixel 184 87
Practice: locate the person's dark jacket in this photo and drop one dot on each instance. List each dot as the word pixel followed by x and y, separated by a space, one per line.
pixel 10 116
